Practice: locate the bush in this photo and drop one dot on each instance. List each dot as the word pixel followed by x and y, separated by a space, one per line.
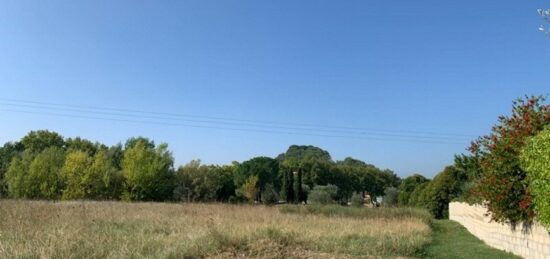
pixel 249 189
pixel 535 160
pixel 269 195
pixel 503 184
pixel 390 197
pixel 417 196
pixel 436 194
pixel 407 186
pixel 323 194
pixel 357 200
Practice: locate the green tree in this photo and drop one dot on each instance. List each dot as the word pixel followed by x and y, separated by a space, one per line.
pixel 7 153
pixel 265 168
pixel 116 153
pixel 105 181
pixel 323 194
pixel 197 182
pixel 287 188
pixel 390 197
pixel 44 181
pixel 304 153
pixel 469 165
pixel 298 192
pixel 357 200
pixel 270 195
pixel 224 175
pixel 407 186
pixel 17 175
pixel 148 171
pixel 436 194
pixel 132 142
pixel 37 141
pixel 74 175
pixel 535 160
pixel 418 196
pixel 90 177
pixel 84 145
pixel 249 189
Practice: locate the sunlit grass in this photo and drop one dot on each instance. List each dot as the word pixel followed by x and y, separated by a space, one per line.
pixel 168 230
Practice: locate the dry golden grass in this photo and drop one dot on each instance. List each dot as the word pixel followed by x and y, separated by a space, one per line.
pixel 37 229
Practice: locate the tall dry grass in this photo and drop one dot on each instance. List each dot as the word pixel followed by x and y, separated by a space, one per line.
pixel 31 229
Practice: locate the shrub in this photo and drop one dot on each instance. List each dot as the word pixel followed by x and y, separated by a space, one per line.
pixel 407 186
pixel 535 160
pixel 323 194
pixel 417 196
pixel 269 195
pixel 249 189
pixel 390 197
pixel 436 194
pixel 357 200
pixel 503 184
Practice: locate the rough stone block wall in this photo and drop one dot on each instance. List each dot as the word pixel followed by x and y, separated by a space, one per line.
pixel 534 243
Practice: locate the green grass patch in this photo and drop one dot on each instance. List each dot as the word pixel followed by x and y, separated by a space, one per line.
pixel 451 240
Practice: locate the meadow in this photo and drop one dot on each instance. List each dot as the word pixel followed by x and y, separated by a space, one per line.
pixel 40 229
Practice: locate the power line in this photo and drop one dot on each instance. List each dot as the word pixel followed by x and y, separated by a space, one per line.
pixel 256 123
pixel 42 107
pixel 225 128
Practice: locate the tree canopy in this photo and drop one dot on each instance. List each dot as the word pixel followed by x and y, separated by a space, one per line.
pixel 44 165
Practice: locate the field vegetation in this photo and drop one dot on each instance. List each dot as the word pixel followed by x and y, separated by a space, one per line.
pixel 39 229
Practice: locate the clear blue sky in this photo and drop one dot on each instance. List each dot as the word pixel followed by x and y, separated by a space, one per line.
pixel 401 67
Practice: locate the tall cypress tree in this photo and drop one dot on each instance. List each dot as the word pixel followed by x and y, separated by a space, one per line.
pixel 298 186
pixel 290 186
pixel 284 183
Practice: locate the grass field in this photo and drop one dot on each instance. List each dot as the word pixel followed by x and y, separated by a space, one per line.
pixel 35 229
pixel 159 230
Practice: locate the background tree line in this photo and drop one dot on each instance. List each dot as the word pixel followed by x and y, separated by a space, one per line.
pixel 507 171
pixel 44 165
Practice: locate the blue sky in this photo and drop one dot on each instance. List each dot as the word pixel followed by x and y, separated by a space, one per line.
pixel 405 70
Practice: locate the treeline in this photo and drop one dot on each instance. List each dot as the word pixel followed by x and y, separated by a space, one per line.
pixel 507 171
pixel 45 165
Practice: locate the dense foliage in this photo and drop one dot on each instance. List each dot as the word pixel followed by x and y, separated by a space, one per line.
pixel 391 195
pixel 44 165
pixel 435 195
pixel 502 184
pixel 323 194
pixel 407 186
pixel 148 171
pixel 535 160
pixel 197 182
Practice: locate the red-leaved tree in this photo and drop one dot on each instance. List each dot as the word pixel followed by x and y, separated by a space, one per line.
pixel 502 184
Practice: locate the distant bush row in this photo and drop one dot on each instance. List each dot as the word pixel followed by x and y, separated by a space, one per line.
pixel 44 165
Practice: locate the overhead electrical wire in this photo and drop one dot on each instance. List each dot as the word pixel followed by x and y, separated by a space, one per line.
pixel 169 119
pixel 260 122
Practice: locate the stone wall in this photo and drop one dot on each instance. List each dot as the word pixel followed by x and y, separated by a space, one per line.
pixel 534 243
